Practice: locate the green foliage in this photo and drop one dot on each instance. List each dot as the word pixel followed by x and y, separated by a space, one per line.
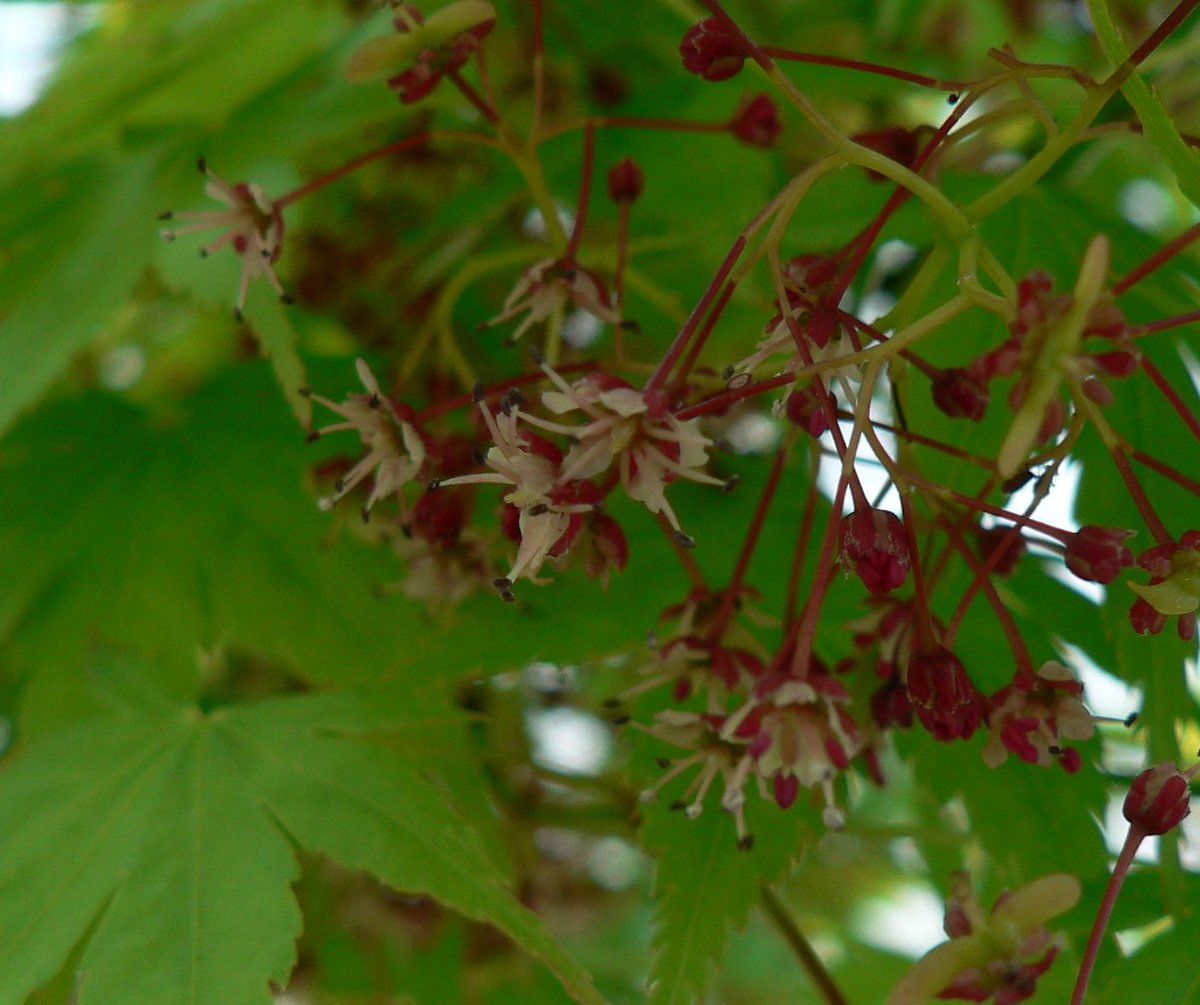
pixel 251 749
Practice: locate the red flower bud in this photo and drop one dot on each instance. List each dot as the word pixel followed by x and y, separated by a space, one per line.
pixel 625 181
pixel 1144 619
pixel 1098 554
pixel 895 142
pixel 756 122
pixel 875 546
pixel 712 52
pixel 803 407
pixel 960 395
pixel 994 537
pixel 1158 798
pixel 945 700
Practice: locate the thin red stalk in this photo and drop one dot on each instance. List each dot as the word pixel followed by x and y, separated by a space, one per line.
pixel 729 598
pixel 662 371
pixel 978 504
pixel 925 633
pixel 864 241
pixel 1162 32
pixel 1134 487
pixel 1007 625
pixel 801 549
pixel 719 402
pixel 477 100
pixel 585 191
pixel 1117 878
pixel 710 322
pixel 1157 260
pixel 804 632
pixel 857 64
pixel 1154 464
pixel 313 184
pixel 1168 392
pixel 927 368
pixel 1150 327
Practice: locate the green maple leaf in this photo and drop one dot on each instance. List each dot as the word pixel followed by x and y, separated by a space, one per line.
pixel 170 830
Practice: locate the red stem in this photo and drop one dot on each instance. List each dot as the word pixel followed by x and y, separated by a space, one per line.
pixel 1162 32
pixel 875 68
pixel 1137 331
pixel 1158 259
pixel 729 598
pixel 313 184
pixel 719 402
pixel 1117 878
pixel 1154 464
pixel 585 191
pixel 477 100
pixel 710 322
pixel 663 369
pixel 1138 494
pixel 1168 392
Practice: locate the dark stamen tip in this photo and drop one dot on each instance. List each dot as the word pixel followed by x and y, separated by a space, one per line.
pixel 746 843
pixel 536 355
pixel 203 252
pixel 1131 718
pixel 503 583
pixel 684 540
pixel 477 455
pixel 266 252
pixel 952 99
pixel 539 509
pixel 304 392
pixel 663 762
pixel 599 506
pixel 433 485
pixel 166 215
pixel 238 316
pixel 202 165
pixel 313 436
pixel 365 513
pixel 732 483
pixel 516 397
pixel 612 702
pixel 679 804
pixel 339 486
pixel 373 401
pixel 1054 750
pixel 621 720
pixel 631 326
pixel 477 392
pixel 286 299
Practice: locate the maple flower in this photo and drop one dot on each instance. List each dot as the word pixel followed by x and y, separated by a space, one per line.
pixel 434 46
pixel 1174 587
pixel 1098 554
pixel 1034 715
pixel 395 450
pixel 547 286
pixel 715 756
pixel 942 695
pixel 251 223
pixel 711 51
pixel 549 510
pixel 756 121
pixel 996 957
pixel 1159 798
pixel 799 734
pixel 875 546
pixel 633 429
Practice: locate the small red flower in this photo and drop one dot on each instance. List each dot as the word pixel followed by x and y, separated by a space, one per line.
pixel 1098 554
pixel 712 52
pixel 959 395
pixel 803 408
pixel 942 695
pixel 875 546
pixel 756 122
pixel 625 181
pixel 1159 797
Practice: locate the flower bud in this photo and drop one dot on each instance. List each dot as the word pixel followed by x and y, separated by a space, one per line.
pixel 712 52
pixel 960 395
pixel 1098 554
pixel 1158 798
pixel 875 546
pixel 625 181
pixel 803 408
pixel 756 122
pixel 942 695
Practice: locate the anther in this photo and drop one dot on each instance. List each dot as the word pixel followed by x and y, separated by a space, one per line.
pixel 202 165
pixel 731 483
pixel 663 762
pixel 516 397
pixel 203 252
pixel 286 299
pixel 365 513
pixel 536 355
pixel 433 485
pixel 746 843
pixel 304 392
pixel 952 99
pixel 539 509
pixel 313 436
pixel 477 392
pixel 612 702
pixel 1130 719
pixel 477 455
pixel 621 720
pixel 631 326
pixel 238 316
pixel 683 540
pixel 373 401
pixel 166 215
pixel 679 804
